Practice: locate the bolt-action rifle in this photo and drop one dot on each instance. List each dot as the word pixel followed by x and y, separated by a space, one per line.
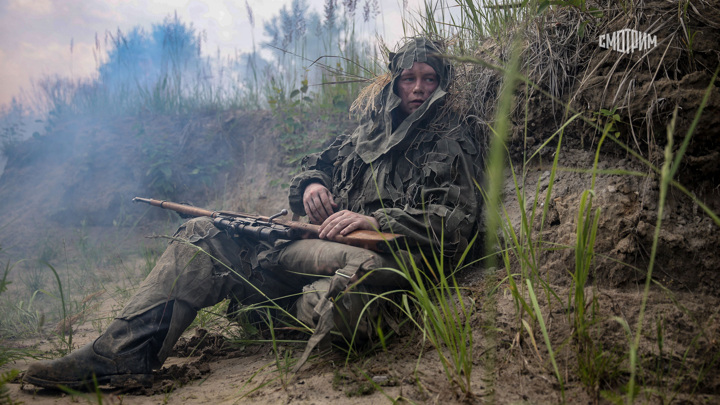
pixel 270 229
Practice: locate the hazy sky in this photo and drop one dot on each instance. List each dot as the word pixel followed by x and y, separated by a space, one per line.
pixel 36 35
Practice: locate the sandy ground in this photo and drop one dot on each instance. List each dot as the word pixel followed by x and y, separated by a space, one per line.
pixel 509 366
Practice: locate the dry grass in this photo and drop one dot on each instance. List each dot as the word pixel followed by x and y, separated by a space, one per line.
pixel 365 103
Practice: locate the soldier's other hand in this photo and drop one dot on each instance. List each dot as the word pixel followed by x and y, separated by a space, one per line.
pixel 318 202
pixel 343 222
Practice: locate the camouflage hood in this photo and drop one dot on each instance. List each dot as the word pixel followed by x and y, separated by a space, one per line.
pixel 384 129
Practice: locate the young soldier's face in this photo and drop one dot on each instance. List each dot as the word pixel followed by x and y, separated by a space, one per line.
pixel 415 85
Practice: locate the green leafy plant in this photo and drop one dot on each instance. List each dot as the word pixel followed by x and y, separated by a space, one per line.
pixel 608 120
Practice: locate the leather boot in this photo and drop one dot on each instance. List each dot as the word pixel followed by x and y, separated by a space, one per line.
pixel 123 356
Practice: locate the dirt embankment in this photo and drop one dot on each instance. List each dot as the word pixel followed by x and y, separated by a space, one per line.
pixel 633 95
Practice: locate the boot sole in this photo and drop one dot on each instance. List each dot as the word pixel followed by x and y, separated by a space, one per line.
pixel 117 380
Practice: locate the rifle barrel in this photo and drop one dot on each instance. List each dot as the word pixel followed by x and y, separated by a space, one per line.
pixel 181 208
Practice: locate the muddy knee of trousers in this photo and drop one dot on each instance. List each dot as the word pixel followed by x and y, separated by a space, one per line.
pixel 199 266
pixel 197 229
pixel 311 295
pixel 354 314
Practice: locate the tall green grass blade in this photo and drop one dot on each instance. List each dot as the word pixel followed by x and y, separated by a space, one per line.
pixel 68 343
pixel 546 336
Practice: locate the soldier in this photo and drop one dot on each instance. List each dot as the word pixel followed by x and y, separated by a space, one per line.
pixel 409 168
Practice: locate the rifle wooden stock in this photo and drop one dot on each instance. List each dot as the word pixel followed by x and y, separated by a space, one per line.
pixel 378 241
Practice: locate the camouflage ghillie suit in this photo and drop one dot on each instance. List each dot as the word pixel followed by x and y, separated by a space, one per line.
pixel 415 176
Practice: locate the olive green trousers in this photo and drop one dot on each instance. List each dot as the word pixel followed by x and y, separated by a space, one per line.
pixel 203 265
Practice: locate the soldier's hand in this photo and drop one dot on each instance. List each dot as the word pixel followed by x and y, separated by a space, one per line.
pixel 343 222
pixel 318 202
